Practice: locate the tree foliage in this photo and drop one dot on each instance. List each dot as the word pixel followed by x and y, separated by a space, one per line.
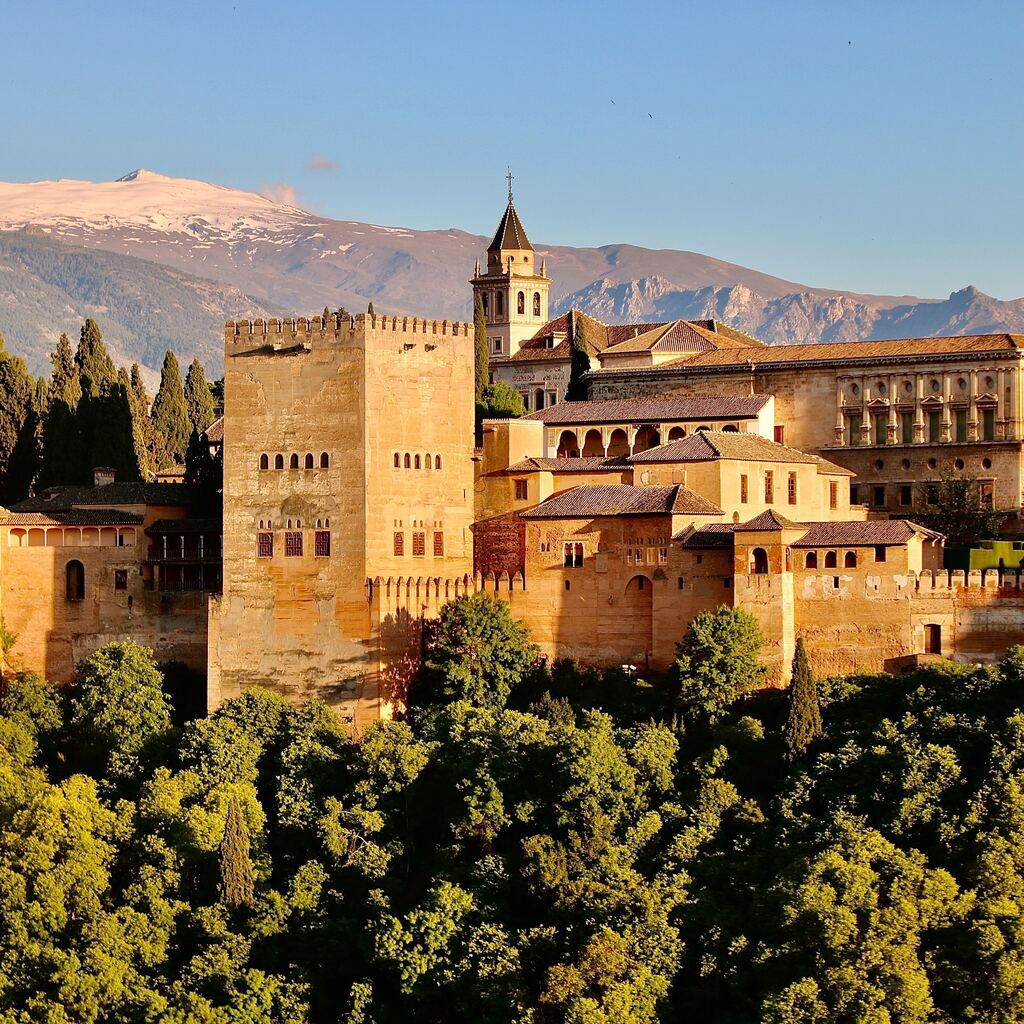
pixel 953 507
pixel 481 352
pixel 170 415
pixel 803 726
pixel 198 397
pixel 236 884
pixel 579 360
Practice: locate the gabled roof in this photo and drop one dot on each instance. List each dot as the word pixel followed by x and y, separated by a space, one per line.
pixel 215 431
pixel 768 520
pixel 106 496
pixel 711 445
pixel 586 464
pixel 589 500
pixel 676 336
pixel 873 533
pixel 510 234
pixel 650 410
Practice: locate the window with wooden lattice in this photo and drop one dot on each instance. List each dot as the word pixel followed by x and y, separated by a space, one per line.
pixel 438 544
pixel 293 544
pixel 264 545
pixel 322 543
pixel 419 544
pixel 399 543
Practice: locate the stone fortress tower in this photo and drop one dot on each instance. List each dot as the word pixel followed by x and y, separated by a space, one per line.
pixel 348 501
pixel 514 294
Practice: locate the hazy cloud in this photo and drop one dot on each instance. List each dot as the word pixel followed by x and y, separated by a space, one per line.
pixel 281 192
pixel 316 162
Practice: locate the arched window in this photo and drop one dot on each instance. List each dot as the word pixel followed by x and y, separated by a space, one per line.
pixel 830 559
pixel 759 562
pixel 486 304
pixel 568 445
pixel 811 560
pixel 264 461
pixel 676 433
pixel 521 303
pixel 293 463
pixel 309 460
pixel 538 399
pixel 618 443
pixel 730 428
pixel 437 462
pixel 850 561
pixel 74 581
pixel 408 461
pixel 398 460
pixel 417 462
pixel 536 303
pixel 499 303
pixel 427 461
pixel 325 460
pixel 278 462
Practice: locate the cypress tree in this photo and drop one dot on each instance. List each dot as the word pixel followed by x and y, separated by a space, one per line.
pixel 577 389
pixel 198 397
pixel 65 384
pixel 95 367
pixel 17 388
pixel 804 724
pixel 170 415
pixel 62 454
pixel 480 352
pixel 370 310
pixel 236 883
pixel 143 434
pixel 327 314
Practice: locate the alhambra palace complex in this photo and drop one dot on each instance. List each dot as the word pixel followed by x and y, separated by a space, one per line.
pixel 706 469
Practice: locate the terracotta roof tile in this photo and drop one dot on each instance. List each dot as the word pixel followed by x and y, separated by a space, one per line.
pixel 710 445
pixel 713 535
pixel 590 500
pixel 878 532
pixel 215 431
pixel 136 493
pixel 73 517
pixel 586 464
pixel 510 234
pixel 768 520
pixel 650 410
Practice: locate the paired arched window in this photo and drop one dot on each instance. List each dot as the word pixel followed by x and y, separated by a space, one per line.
pixel 264 461
pixel 811 560
pixel 830 559
pixel 74 581
pixel 278 462
pixel 759 562
pixel 309 460
pixel 850 562
pixel 294 461
pixel 536 303
pixel 325 460
pixel 521 303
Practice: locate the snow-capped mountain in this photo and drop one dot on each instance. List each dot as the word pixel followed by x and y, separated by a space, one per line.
pixel 266 255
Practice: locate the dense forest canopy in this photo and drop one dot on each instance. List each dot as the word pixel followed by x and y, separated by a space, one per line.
pixel 532 844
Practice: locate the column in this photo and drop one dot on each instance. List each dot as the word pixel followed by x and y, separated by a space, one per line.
pixel 944 434
pixel 1002 412
pixel 1012 378
pixel 918 410
pixel 840 428
pixel 892 428
pixel 972 409
pixel 865 414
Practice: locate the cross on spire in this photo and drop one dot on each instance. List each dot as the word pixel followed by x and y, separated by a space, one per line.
pixel 509 176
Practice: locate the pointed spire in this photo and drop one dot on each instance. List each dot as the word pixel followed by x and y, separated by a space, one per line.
pixel 476 271
pixel 510 234
pixel 543 267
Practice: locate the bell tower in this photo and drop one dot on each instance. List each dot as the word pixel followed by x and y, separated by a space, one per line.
pixel 514 294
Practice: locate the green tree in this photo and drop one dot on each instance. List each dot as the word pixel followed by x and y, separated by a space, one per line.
pixel 198 397
pixel 25 461
pixel 481 353
pixel 144 440
pixel 953 507
pixel 579 360
pixel 64 381
pixel 170 414
pixel 95 367
pixel 63 457
pixel 236 875
pixel 205 474
pixel 717 660
pixel 370 310
pixel 803 726
pixel 16 392
pixel 477 652
pixel 118 708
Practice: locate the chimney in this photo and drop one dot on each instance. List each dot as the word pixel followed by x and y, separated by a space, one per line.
pixel 103 475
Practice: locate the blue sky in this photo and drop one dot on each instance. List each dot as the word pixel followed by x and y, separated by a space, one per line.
pixel 874 147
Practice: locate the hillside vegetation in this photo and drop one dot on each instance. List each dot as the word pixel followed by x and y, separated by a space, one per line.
pixel 531 845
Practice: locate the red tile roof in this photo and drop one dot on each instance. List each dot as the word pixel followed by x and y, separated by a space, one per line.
pixel 587 464
pixel 711 445
pixel 72 517
pixel 878 532
pixel 588 500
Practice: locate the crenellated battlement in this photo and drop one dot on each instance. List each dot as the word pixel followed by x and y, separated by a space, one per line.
pixel 296 330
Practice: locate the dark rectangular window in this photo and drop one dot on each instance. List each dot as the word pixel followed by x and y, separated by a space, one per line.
pixel 743 488
pixel 881 427
pixel 120 579
pixel 986 494
pixel 322 544
pixel 934 425
pixel 399 543
pixel 792 488
pixel 293 544
pixel 906 495
pixel 907 427
pixel 438 544
pixel 419 544
pixel 961 424
pixel 988 424
pixel 264 545
pixel 682 583
pixel 879 552
pixel 522 490
pixel 931 494
pixel 780 434
pixel 572 555
pixel 833 494
pixel 853 429
pixel 878 496
pixel 854 494
pixel 769 486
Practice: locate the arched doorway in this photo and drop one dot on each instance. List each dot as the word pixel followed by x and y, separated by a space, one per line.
pixel 593 444
pixel 636 620
pixel 646 437
pixel 618 443
pixel 568 446
pixel 74 581
pixel 759 562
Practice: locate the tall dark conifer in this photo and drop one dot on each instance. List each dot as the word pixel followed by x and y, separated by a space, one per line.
pixel 170 415
pixel 580 364
pixel 480 352
pixel 95 367
pixel 804 724
pixel 63 451
pixel 198 397
pixel 236 876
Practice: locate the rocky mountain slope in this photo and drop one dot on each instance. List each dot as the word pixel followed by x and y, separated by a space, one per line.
pixel 294 260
